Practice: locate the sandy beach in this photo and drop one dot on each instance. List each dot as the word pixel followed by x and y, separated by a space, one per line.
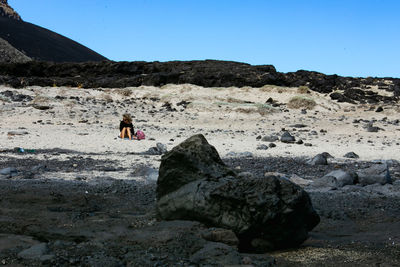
pixel 87 120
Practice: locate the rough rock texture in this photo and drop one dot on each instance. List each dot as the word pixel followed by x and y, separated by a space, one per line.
pixel 207 73
pixel 377 173
pixel 9 54
pixel 342 177
pixel 265 213
pixel 190 161
pixel 7 11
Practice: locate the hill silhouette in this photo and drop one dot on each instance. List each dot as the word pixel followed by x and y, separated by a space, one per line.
pixel 44 45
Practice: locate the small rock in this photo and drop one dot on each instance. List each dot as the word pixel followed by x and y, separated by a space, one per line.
pixel 271 138
pixel 351 155
pixel 9 172
pixel 271 145
pixel 299 142
pixel 379 109
pixel 371 128
pixel 287 137
pixel 34 252
pixel 298 125
pixel 12 133
pixel 262 147
pixel 41 106
pixel 319 159
pixel 161 148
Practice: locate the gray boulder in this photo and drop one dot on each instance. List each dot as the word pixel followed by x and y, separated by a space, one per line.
pixel 336 179
pixel 328 182
pixel 159 149
pixel 162 148
pixel 376 174
pixel 264 212
pixel 320 159
pixel 262 147
pixel 8 172
pixel 287 137
pixel 343 178
pixel 270 138
pixel 189 161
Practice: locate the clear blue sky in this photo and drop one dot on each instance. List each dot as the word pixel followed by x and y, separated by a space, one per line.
pixel 344 37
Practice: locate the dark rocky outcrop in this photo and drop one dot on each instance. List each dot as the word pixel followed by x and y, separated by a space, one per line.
pixel 265 212
pixel 207 73
pixel 7 11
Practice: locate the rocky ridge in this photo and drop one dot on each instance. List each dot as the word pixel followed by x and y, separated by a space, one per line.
pixel 206 73
pixel 7 11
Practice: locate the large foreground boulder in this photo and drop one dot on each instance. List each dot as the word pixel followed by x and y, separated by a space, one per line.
pixel 265 213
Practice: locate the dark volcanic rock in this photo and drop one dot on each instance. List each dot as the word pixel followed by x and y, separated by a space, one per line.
pixel 265 213
pixel 207 73
pixel 351 155
pixel 189 161
pixel 287 137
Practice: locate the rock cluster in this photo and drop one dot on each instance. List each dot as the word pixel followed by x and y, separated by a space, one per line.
pixel 7 11
pixel 264 212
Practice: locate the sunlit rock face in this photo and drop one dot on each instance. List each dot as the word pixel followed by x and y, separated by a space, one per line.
pixel 7 11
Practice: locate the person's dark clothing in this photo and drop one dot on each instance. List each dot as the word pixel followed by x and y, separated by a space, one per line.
pixel 123 125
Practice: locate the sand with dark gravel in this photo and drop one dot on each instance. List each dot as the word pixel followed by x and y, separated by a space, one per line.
pixel 80 196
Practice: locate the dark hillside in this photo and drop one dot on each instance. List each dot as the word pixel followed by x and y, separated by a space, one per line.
pixel 41 44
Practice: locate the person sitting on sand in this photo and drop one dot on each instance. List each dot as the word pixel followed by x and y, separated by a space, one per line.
pixel 126 127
